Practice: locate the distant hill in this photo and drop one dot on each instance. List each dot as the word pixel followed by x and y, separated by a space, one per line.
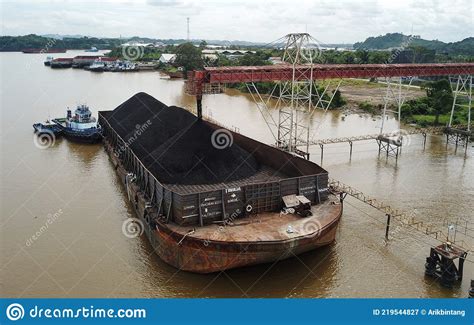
pixel 18 43
pixel 463 49
pixel 398 40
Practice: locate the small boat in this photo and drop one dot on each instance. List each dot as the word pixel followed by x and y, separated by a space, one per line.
pixel 96 66
pixel 47 127
pixel 92 49
pixel 48 60
pixel 81 127
pixel 123 66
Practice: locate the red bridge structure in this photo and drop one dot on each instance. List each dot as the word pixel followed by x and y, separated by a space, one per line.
pixel 284 72
pixel 294 86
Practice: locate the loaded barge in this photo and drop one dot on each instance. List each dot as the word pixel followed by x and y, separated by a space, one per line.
pixel 277 208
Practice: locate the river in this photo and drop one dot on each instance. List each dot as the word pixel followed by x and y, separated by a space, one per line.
pixel 82 251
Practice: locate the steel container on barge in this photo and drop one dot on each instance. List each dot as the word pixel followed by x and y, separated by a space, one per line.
pixel 207 228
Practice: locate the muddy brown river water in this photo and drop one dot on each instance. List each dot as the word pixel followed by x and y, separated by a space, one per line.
pixel 82 252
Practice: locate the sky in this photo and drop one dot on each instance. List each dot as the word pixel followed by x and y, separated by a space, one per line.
pixel 250 20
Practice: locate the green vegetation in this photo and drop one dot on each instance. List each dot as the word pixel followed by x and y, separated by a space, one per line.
pixel 274 89
pixel 408 49
pixel 338 100
pixel 189 57
pixel 18 43
pixel 149 53
pixel 369 108
pixel 410 54
pixel 440 97
pixel 357 57
pixel 397 40
pixel 435 108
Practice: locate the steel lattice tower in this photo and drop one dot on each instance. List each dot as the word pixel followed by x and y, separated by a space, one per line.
pixel 296 95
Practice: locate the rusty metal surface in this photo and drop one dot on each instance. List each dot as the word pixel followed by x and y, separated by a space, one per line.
pixel 278 72
pixel 450 251
pixel 197 253
pixel 198 257
pixel 267 227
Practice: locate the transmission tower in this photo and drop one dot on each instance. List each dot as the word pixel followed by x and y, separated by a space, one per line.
pixel 187 34
pixel 296 95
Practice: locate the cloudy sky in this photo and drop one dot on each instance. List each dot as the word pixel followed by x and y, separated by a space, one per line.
pixel 252 20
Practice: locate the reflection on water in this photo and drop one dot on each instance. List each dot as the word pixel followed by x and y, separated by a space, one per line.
pixel 84 253
pixel 87 153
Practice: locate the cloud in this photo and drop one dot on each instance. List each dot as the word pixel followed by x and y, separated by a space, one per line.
pixel 264 21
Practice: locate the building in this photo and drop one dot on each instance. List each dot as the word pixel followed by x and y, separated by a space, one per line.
pixel 167 58
pixel 230 54
pixel 275 60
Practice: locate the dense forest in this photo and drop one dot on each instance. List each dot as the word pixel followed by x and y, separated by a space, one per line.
pixel 18 43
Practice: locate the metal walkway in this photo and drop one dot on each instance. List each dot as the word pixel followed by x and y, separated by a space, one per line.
pixel 430 130
pixel 405 218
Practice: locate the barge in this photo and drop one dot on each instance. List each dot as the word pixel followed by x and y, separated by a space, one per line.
pixel 204 226
pixel 60 63
pixel 43 50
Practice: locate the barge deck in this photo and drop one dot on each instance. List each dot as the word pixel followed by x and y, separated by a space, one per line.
pixel 201 226
pixel 236 242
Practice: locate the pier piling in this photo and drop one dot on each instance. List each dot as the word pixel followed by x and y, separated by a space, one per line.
pixel 441 263
pixel 387 228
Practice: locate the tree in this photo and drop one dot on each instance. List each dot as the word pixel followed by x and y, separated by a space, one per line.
pixel 258 58
pixel 203 44
pixel 189 57
pixel 362 56
pixel 337 100
pixel 440 97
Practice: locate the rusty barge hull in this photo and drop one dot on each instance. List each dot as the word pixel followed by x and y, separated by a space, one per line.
pixel 200 254
pixel 209 227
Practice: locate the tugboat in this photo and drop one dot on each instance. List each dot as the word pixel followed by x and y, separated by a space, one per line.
pixel 97 66
pixel 48 61
pixel 92 49
pixel 81 127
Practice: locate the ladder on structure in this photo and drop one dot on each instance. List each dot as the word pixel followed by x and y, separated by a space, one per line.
pixel 441 262
pixel 405 218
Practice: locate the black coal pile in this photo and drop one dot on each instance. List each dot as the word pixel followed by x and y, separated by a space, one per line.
pixel 177 147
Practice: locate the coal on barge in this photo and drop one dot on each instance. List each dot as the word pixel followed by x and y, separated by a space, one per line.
pixel 208 206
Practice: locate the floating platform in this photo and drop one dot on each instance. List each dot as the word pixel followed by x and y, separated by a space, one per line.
pixel 208 227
